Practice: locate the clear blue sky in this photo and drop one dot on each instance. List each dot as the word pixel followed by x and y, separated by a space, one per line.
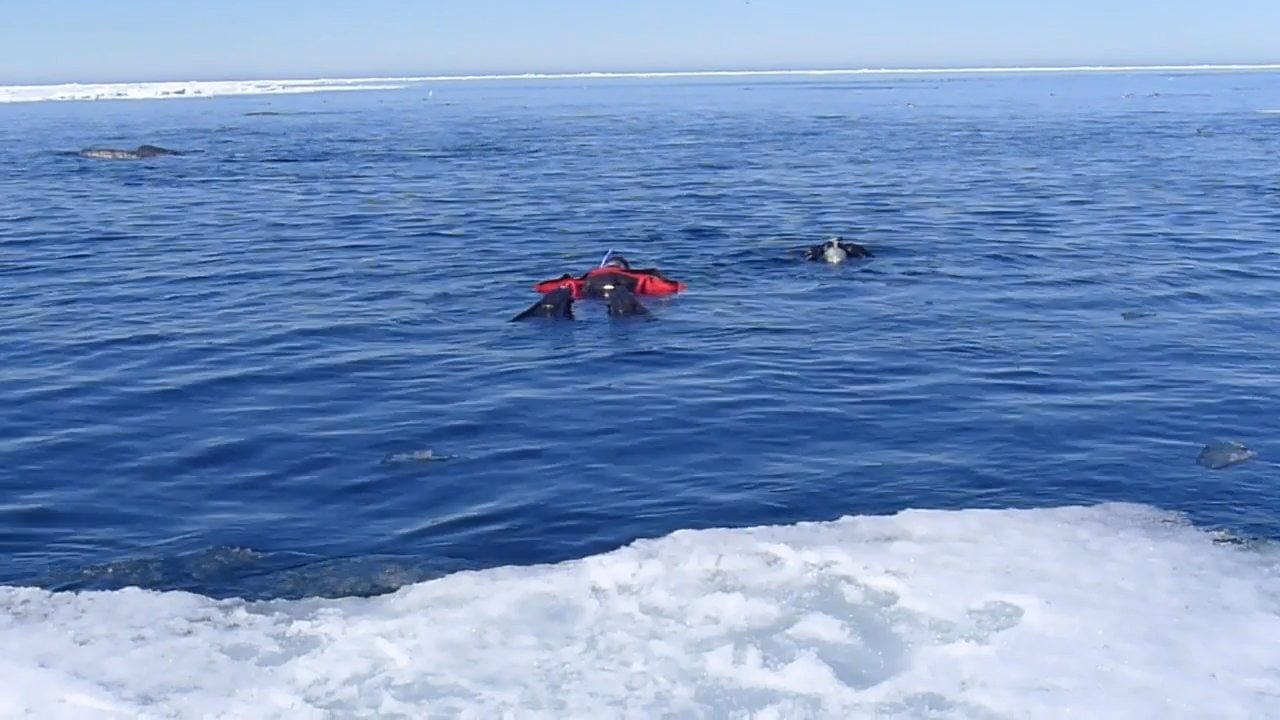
pixel 110 40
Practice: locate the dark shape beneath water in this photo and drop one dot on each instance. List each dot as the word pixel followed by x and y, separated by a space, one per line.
pixel 1222 453
pixel 239 572
pixel 417 456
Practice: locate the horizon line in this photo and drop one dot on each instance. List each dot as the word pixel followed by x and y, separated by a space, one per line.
pixel 603 74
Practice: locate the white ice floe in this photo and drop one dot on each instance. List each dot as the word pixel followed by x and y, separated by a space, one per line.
pixel 1113 611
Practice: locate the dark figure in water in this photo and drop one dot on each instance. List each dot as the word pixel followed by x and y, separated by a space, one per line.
pixel 614 282
pixel 143 151
pixel 836 250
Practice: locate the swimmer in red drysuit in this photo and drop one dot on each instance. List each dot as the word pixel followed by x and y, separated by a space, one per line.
pixel 613 281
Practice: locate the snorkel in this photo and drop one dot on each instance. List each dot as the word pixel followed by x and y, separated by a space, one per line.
pixel 605 259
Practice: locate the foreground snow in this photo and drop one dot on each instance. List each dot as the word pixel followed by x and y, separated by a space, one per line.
pixel 1113 611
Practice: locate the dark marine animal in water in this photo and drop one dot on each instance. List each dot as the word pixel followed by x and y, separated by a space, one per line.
pixel 143 151
pixel 836 250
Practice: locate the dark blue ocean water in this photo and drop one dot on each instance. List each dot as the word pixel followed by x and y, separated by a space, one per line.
pixel 205 359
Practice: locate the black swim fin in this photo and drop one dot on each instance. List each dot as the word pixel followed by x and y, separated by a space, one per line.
pixel 623 303
pixel 556 304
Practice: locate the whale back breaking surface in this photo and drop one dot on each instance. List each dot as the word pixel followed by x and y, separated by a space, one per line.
pixel 142 152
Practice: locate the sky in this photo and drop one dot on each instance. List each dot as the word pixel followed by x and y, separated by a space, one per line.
pixel 138 40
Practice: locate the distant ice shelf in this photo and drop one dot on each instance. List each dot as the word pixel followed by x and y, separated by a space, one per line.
pixel 213 88
pixel 191 89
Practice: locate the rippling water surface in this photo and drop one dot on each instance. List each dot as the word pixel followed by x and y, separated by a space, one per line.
pixel 207 358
